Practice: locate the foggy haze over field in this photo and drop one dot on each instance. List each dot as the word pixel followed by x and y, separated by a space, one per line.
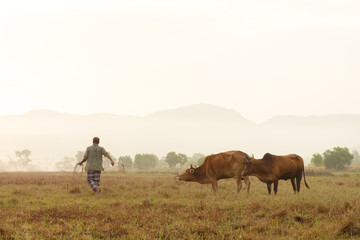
pixel 200 128
pixel 273 76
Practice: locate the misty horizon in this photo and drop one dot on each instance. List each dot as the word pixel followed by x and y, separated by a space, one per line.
pixel 199 128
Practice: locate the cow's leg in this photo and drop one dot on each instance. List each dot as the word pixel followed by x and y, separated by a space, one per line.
pixel 238 184
pixel 269 187
pixel 275 186
pixel 298 180
pixel 215 186
pixel 293 184
pixel 247 182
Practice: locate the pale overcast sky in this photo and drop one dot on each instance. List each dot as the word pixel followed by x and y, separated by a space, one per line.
pixel 134 57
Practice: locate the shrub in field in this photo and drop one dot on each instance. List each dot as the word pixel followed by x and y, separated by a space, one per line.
pixel 145 161
pixel 317 159
pixel 23 160
pixel 172 159
pixel 126 161
pixel 337 158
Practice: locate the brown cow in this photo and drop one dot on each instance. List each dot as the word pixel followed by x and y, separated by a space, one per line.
pixel 218 166
pixel 271 168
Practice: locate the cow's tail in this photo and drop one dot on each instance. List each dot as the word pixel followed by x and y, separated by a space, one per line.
pixel 304 178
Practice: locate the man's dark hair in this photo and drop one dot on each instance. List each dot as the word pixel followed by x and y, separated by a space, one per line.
pixel 96 140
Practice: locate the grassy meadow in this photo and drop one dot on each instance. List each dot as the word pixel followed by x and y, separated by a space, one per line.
pixel 156 206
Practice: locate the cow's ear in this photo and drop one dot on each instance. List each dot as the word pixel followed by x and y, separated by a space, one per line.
pixel 191 170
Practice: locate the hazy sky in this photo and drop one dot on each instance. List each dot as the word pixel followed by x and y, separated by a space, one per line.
pixel 134 57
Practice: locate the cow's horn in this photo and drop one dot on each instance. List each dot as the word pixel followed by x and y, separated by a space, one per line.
pixel 191 166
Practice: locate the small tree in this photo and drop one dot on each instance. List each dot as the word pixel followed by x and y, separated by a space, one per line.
pixel 317 159
pixel 337 158
pixel 126 161
pixel 172 159
pixel 23 159
pixel 145 161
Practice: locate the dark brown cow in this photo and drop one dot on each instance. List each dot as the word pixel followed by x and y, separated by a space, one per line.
pixel 218 166
pixel 271 168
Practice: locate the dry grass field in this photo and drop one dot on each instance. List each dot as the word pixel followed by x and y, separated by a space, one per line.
pixel 156 206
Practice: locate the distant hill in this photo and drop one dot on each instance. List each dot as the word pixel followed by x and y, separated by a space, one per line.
pixel 196 128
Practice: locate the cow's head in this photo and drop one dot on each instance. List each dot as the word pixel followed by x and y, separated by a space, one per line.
pixel 189 174
pixel 248 166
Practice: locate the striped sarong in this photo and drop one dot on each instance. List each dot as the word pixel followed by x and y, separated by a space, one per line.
pixel 93 178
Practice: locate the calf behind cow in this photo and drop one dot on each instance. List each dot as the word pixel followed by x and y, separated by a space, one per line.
pixel 271 168
pixel 218 166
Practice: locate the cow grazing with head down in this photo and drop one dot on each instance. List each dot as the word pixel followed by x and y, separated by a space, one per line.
pixel 218 166
pixel 271 168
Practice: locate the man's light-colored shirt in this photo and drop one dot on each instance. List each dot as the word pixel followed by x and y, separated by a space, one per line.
pixel 94 154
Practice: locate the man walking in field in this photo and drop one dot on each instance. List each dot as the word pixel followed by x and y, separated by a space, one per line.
pixel 93 159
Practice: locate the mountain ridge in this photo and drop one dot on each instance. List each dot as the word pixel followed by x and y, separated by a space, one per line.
pixel 183 109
